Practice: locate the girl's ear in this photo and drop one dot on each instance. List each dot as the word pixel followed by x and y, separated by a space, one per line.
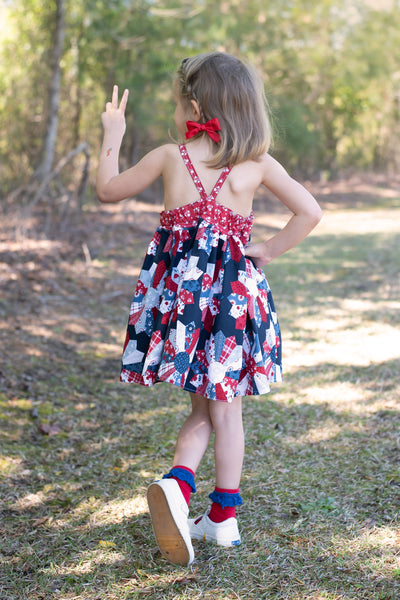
pixel 195 110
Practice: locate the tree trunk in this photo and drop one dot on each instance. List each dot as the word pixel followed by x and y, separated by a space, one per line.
pixel 54 94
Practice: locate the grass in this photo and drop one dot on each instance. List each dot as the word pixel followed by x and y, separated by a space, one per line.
pixel 321 480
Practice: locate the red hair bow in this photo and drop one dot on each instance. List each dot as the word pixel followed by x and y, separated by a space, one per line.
pixel 211 128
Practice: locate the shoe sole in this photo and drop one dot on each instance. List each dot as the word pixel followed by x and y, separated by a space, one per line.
pixel 169 539
pixel 219 542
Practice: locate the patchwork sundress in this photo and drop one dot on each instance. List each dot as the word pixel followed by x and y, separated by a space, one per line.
pixel 203 317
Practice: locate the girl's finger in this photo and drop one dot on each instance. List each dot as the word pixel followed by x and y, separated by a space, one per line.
pixel 124 100
pixel 114 100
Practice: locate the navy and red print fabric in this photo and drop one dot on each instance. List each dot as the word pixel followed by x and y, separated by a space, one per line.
pixel 202 316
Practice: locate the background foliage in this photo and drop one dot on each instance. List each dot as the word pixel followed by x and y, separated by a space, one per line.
pixel 331 70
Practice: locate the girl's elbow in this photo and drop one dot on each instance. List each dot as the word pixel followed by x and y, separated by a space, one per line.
pixel 314 214
pixel 100 197
pixel 317 215
pixel 100 192
pixel 105 192
pixel 103 197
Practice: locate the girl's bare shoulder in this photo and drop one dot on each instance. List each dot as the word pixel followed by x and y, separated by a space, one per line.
pixel 160 159
pixel 270 165
pixel 249 173
pixel 171 150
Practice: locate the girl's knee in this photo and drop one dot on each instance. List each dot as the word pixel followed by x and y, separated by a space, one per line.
pixel 224 414
pixel 200 405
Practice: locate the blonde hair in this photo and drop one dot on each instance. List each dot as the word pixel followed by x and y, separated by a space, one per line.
pixel 226 88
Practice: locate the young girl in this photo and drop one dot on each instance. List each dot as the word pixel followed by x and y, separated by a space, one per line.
pixel 202 317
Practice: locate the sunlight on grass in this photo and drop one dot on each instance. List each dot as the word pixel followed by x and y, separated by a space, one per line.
pixel 387 538
pixel 321 434
pixel 29 501
pixel 9 465
pixel 88 560
pixel 22 404
pixel 362 346
pixel 375 549
pixel 118 511
pixel 345 396
pixel 98 514
pixel 145 415
pixel 360 222
pixel 104 350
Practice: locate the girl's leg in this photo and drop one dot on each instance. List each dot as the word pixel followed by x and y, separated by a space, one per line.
pixel 219 523
pixel 168 512
pixel 226 419
pixel 194 435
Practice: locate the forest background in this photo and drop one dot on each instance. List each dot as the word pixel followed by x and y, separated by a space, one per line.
pixel 331 70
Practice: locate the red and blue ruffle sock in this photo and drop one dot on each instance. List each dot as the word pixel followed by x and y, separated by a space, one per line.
pixel 185 479
pixel 224 504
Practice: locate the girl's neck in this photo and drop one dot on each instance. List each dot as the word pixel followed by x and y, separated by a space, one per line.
pixel 201 149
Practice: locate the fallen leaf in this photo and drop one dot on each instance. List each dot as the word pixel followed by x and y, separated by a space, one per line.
pixel 40 521
pixel 186 579
pixel 47 429
pixel 129 581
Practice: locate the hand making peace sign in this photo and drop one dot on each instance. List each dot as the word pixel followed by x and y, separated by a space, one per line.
pixel 113 118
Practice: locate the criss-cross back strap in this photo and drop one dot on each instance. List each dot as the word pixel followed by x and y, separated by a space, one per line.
pixel 196 178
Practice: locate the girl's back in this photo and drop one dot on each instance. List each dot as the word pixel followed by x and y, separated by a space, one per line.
pixel 236 194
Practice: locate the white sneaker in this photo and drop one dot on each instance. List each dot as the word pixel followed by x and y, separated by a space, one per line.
pixel 169 516
pixel 225 533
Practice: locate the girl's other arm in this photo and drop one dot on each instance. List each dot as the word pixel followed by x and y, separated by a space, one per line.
pixel 112 186
pixel 305 209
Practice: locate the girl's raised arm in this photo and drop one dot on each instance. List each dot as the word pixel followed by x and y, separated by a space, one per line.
pixel 305 209
pixel 112 186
